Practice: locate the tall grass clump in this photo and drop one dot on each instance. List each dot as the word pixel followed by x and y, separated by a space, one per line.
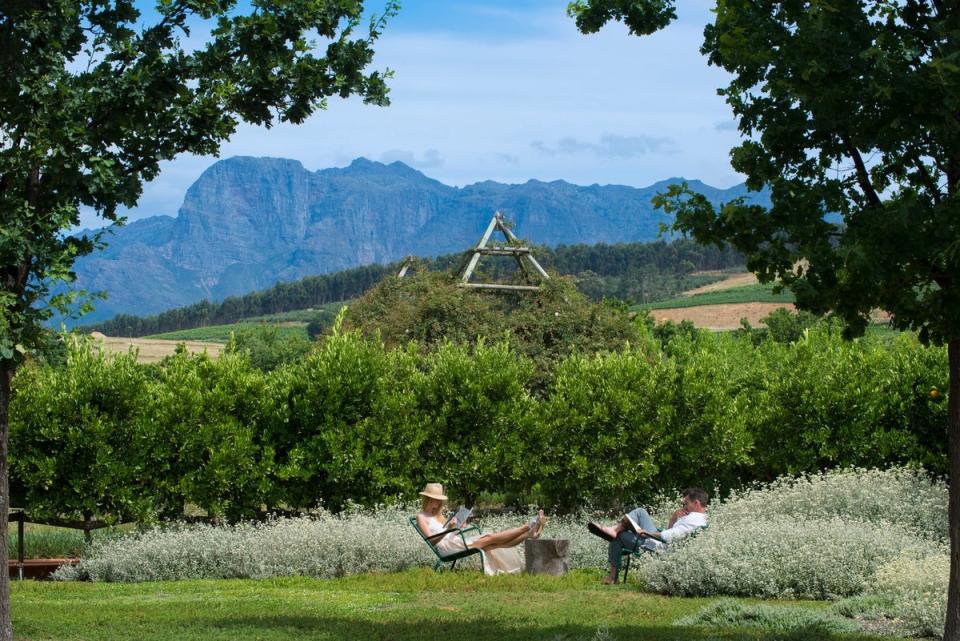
pixel 730 613
pixel 822 536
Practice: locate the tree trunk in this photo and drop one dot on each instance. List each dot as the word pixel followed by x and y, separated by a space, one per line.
pixel 952 629
pixel 6 626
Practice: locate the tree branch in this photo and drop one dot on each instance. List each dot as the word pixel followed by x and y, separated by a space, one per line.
pixel 863 177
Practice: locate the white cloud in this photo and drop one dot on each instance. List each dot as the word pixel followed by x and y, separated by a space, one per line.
pixel 431 158
pixel 609 146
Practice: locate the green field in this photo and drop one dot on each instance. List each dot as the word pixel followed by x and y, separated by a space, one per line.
pixel 412 605
pixel 300 315
pixel 744 294
pixel 292 323
pixel 221 333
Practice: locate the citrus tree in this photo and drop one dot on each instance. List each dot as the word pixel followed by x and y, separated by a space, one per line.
pixel 94 95
pixel 849 115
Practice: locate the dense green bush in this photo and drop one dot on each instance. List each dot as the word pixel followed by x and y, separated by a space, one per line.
pixel 206 416
pixel 824 402
pixel 602 427
pixel 479 419
pixel 268 347
pixel 357 421
pixel 545 326
pixel 79 445
pixel 325 421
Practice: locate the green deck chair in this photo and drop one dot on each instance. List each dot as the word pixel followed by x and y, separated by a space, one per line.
pixel 454 557
pixel 638 551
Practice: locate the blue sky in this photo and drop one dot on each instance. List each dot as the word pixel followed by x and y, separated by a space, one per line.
pixel 510 91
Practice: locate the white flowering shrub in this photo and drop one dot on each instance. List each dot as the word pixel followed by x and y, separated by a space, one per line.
pixel 778 557
pixel 323 545
pixel 822 536
pixel 917 588
pixel 907 498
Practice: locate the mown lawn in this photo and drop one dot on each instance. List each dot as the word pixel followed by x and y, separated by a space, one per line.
pixel 417 604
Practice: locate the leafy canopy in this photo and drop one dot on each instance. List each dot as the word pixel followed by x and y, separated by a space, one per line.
pixel 848 107
pixel 93 97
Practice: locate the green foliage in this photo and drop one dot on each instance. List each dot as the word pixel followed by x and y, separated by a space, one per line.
pixel 267 346
pixel 603 427
pixel 331 425
pixel 822 402
pixel 206 418
pixel 709 441
pixel 479 416
pixel 48 542
pixel 319 322
pixel 728 613
pixel 782 326
pixel 221 333
pixel 79 446
pixel 356 422
pixel 544 326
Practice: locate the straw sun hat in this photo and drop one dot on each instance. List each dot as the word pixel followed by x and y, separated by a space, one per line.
pixel 433 491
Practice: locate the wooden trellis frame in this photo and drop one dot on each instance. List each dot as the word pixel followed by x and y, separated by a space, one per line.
pixel 522 255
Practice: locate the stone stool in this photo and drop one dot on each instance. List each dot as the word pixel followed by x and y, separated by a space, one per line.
pixel 547 556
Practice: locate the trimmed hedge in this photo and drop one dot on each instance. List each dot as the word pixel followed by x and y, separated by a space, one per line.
pixel 355 422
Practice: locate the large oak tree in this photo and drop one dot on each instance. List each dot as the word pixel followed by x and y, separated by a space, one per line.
pixel 850 107
pixel 94 95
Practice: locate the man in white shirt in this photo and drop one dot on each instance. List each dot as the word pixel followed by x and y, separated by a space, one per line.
pixel 638 529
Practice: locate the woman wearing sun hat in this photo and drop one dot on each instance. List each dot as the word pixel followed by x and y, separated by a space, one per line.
pixel 499 548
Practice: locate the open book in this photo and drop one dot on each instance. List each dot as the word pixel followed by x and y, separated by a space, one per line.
pixel 632 525
pixel 635 527
pixel 458 519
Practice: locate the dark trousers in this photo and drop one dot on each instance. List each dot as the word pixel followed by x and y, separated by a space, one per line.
pixel 629 540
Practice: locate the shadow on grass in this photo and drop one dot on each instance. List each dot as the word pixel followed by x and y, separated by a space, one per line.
pixel 480 629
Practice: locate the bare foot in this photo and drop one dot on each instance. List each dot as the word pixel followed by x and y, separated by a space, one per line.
pixel 609 580
pixel 541 522
pixel 610 531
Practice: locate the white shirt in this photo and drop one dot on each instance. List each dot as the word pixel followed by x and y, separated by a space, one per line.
pixel 684 526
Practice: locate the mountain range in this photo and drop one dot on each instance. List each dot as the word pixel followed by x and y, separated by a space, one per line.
pixel 248 223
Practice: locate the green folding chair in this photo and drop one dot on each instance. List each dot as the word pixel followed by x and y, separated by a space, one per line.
pixel 453 557
pixel 638 551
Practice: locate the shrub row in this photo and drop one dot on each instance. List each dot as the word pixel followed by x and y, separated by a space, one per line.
pixel 355 422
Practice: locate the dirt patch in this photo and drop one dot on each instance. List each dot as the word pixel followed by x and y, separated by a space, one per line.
pixel 734 280
pixel 152 350
pixel 725 316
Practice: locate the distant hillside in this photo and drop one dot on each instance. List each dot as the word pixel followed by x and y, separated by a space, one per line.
pixel 248 223
pixel 629 271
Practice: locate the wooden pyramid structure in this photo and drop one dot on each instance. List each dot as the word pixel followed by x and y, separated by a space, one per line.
pixel 525 260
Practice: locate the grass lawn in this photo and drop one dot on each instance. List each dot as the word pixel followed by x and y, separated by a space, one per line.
pixel 416 604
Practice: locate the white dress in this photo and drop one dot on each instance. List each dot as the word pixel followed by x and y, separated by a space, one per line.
pixel 498 561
